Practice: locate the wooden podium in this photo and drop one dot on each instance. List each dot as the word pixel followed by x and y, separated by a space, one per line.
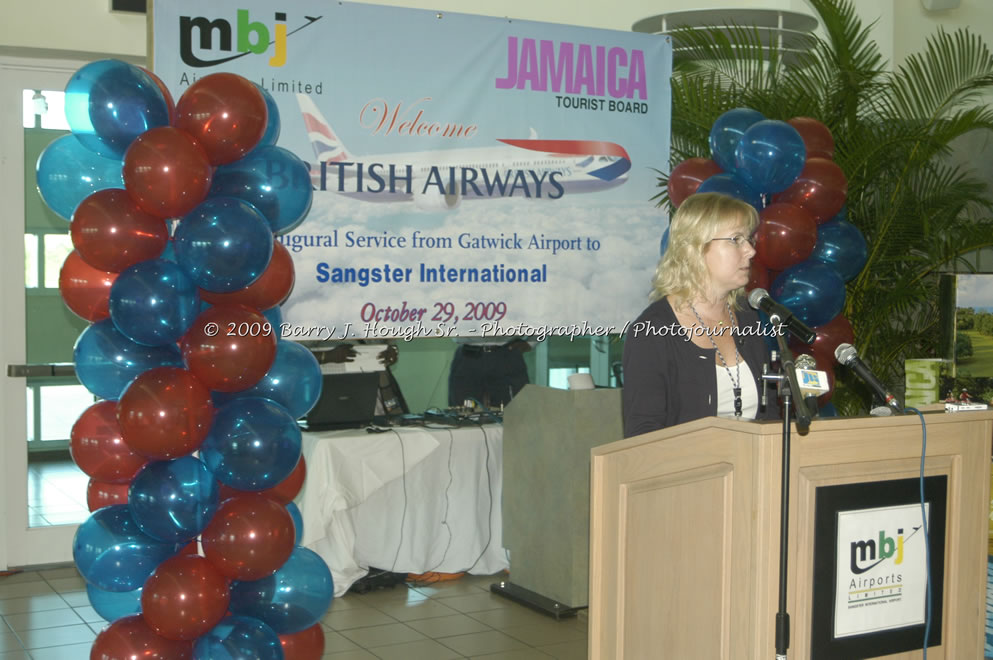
pixel 684 531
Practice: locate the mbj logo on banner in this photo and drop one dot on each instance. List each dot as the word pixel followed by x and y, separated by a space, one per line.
pixel 251 36
pixel 881 576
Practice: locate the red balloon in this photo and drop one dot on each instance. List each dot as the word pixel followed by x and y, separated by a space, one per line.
pixel 786 236
pixel 836 331
pixel 308 644
pixel 820 189
pixel 271 288
pixel 100 494
pixel 226 113
pixel 130 637
pixel 686 177
pixel 228 347
pixel 85 290
pixel 758 276
pixel 191 548
pixel 96 446
pixel 165 413
pixel 815 135
pixel 112 233
pixel 284 492
pixel 167 172
pixel 249 537
pixel 165 92
pixel 185 597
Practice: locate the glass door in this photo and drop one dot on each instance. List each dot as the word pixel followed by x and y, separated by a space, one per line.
pixel 44 494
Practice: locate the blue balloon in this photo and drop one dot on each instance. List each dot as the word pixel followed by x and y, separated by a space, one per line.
pixel 297 522
pixel 154 302
pixel 726 184
pixel 769 156
pixel 169 253
pixel 726 133
pixel 109 103
pixel 292 599
pixel 252 445
pixel 112 553
pixel 113 605
pixel 107 361
pixel 67 173
pixel 828 410
pixel 224 244
pixel 274 180
pixel 813 291
pixel 272 123
pixel 239 638
pixel 842 246
pixel 174 500
pixel 293 381
pixel 275 317
pixel 664 243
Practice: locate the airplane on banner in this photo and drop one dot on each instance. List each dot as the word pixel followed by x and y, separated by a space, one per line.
pixel 441 179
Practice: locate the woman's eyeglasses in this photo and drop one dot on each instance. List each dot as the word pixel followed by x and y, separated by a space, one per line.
pixel 739 240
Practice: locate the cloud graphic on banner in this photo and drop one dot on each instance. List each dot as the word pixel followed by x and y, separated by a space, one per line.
pixel 573 273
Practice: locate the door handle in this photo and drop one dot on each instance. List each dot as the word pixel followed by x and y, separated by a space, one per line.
pixel 46 370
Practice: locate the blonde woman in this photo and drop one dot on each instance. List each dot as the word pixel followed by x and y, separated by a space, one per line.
pixel 698 349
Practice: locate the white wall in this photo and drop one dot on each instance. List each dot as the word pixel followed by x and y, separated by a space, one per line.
pixel 86 26
pixel 914 24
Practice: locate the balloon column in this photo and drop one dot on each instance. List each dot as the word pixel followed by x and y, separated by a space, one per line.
pixel 805 248
pixel 193 453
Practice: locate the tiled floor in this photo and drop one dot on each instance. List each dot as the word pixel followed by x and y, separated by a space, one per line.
pixel 56 493
pixel 46 616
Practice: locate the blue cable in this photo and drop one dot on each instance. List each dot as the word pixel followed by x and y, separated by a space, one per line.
pixel 927 542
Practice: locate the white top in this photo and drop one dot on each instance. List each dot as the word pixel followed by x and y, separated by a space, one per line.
pixel 725 392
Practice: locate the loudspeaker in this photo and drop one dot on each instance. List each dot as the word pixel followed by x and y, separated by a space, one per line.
pixel 133 6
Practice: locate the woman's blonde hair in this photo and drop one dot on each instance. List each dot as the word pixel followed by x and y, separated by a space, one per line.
pixel 682 273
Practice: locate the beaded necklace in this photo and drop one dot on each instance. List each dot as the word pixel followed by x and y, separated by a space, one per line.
pixel 736 379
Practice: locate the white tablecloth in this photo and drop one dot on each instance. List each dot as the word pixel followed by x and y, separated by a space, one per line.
pixel 408 500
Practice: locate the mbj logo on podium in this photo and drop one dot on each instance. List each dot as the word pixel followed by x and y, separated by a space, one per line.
pixel 868 551
pixel 251 36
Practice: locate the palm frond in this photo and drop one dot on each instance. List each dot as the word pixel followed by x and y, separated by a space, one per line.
pixel 953 72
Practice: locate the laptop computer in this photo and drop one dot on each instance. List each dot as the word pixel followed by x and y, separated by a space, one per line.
pixel 347 401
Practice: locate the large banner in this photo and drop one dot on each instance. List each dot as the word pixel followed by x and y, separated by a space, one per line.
pixel 472 176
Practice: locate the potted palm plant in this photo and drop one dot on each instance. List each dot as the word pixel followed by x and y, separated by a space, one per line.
pixel 894 130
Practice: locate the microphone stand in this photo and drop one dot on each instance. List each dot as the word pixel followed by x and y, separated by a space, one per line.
pixel 788 394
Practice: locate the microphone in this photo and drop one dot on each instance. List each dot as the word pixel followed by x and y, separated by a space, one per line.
pixel 813 383
pixel 760 299
pixel 848 356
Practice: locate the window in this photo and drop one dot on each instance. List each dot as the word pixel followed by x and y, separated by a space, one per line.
pixel 70 401
pixel 559 377
pixel 44 109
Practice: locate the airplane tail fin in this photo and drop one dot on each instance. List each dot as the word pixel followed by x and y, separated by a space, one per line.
pixel 327 147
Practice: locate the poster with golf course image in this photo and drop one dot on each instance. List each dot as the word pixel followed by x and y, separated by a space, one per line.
pixel 974 326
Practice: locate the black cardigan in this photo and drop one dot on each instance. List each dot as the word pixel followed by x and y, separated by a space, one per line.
pixel 664 380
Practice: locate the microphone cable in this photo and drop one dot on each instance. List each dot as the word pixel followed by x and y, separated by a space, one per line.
pixel 927 539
